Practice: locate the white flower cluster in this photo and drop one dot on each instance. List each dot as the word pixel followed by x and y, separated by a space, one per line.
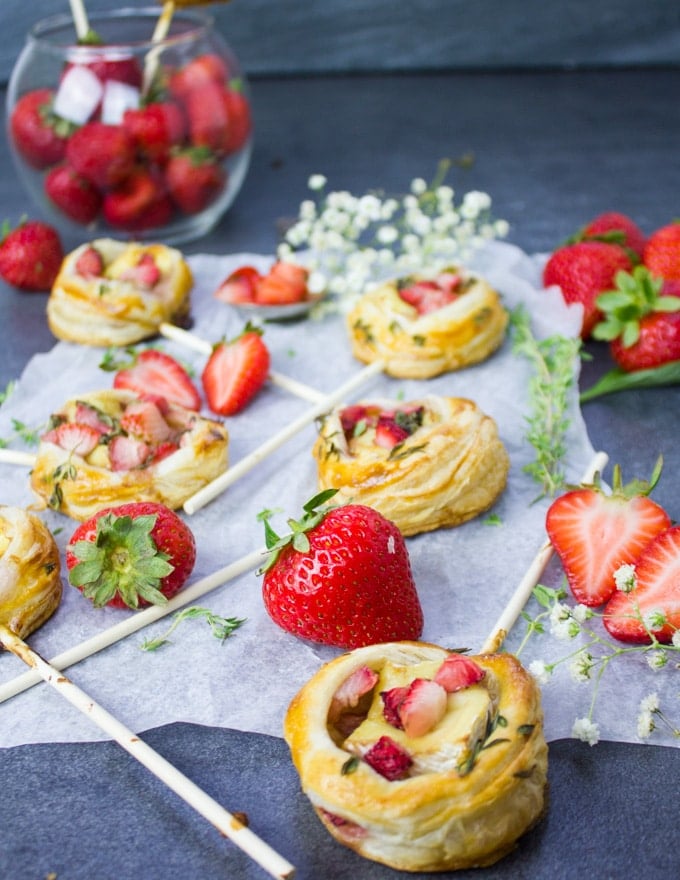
pixel 350 243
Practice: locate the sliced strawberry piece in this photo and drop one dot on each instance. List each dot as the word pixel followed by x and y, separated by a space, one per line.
pixel 427 296
pixel 388 759
pixel 235 372
pixel 86 414
pixel 388 433
pixel 127 453
pixel 163 450
pixel 348 829
pixel 90 263
pixel 285 283
pixel 154 373
pixel 239 286
pixel 656 594
pixel 392 700
pixel 145 273
pixel 458 672
pixel 423 707
pixel 348 696
pixel 594 534
pixel 144 420
pixel 75 438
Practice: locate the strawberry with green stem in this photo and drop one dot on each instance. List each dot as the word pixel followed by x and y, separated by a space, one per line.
pixel 133 555
pixel 341 577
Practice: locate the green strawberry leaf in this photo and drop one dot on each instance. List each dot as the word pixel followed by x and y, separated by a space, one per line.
pixel 620 380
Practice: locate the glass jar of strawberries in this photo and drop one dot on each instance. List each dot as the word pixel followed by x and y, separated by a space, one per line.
pixel 128 134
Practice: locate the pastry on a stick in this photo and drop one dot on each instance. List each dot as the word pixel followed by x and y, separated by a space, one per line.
pixel 420 758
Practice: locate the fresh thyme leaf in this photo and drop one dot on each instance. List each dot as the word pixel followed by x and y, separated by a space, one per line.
pixel 221 627
pixel 553 362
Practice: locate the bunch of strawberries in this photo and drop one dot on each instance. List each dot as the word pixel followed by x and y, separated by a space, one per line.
pixel 628 285
pixel 150 163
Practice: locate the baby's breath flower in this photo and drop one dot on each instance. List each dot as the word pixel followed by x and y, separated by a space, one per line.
pixel 418 186
pixel 581 666
pixel 586 730
pixel 316 181
pixel 645 724
pixel 387 234
pixel 562 624
pixel 650 703
pixel 541 671
pixel 581 613
pixel 657 659
pixel 654 620
pixel 624 578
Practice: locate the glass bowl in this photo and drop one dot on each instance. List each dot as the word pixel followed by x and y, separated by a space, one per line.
pixel 130 137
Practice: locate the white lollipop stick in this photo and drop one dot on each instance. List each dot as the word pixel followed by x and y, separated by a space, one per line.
pixel 159 34
pixel 520 597
pixel 136 621
pixel 205 348
pixel 225 822
pixel 79 18
pixel 218 485
pixel 14 456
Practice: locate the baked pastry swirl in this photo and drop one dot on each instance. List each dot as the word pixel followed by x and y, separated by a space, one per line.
pixel 421 327
pixel 420 758
pixel 426 464
pixel 30 574
pixel 109 447
pixel 112 293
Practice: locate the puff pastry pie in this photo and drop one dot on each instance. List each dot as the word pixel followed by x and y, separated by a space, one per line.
pixel 112 293
pixel 419 758
pixel 30 574
pixel 426 464
pixel 110 447
pixel 421 327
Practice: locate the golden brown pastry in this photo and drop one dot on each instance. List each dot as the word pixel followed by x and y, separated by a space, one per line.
pixel 420 758
pixel 423 326
pixel 109 447
pixel 425 464
pixel 30 574
pixel 111 292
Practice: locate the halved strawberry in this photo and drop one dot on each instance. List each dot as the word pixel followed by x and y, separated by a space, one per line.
pixel 74 437
pixel 144 273
pixel 458 672
pixel 155 373
pixel 389 759
pixel 239 286
pixel 423 707
pixel 392 700
pixel 594 534
pixel 427 296
pixel 348 698
pixel 86 414
pixel 654 602
pixel 235 372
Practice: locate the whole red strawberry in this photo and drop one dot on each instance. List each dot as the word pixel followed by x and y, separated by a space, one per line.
pixel 138 203
pixel 647 604
pixel 343 577
pixel 584 270
pixel 235 372
pixel 594 533
pixel 156 128
pixel 73 194
pixel 641 320
pixel 615 228
pixel 30 255
pixel 38 134
pixel 104 154
pixel 133 555
pixel 662 252
pixel 219 118
pixel 194 179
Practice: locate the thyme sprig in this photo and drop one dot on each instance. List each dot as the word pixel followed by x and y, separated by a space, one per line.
pixel 221 627
pixel 553 360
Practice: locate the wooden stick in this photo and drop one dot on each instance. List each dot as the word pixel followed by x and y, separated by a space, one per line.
pixel 80 21
pixel 520 597
pixel 222 482
pixel 159 34
pixel 136 621
pixel 225 822
pixel 200 345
